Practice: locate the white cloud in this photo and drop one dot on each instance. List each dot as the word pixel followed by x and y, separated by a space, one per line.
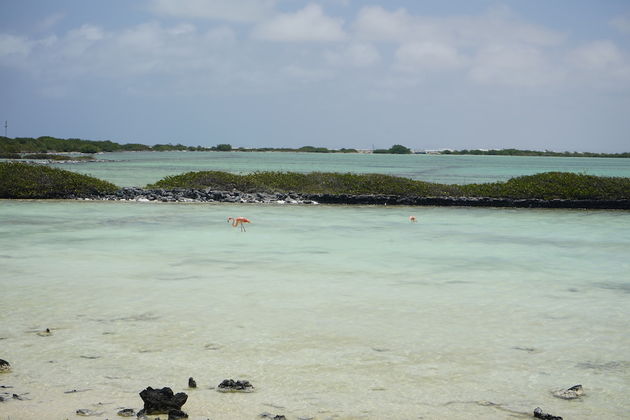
pixel 354 55
pixel 220 36
pixel 392 46
pixel 182 29
pixel 378 24
pixel 144 50
pixel 229 10
pixel 622 24
pixel 601 63
pixel 494 47
pixel 427 56
pixel 597 55
pixel 144 39
pixel 308 24
pixel 87 33
pixel 14 45
pixel 306 75
pixel 78 42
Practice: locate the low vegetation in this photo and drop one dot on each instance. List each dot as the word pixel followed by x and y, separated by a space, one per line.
pixel 310 183
pixel 22 180
pixel 549 185
pixel 48 144
pixel 518 152
pixel 554 185
pixel 10 147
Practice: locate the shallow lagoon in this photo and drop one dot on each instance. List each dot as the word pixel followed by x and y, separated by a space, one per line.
pixel 331 312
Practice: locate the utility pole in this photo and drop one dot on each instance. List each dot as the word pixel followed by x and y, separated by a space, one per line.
pixel 6 125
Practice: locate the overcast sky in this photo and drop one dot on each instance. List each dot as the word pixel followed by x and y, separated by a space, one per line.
pixel 428 74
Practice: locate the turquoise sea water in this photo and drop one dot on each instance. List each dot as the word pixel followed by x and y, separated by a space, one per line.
pixel 331 312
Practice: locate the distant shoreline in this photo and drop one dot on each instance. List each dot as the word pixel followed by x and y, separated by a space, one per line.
pixel 48 144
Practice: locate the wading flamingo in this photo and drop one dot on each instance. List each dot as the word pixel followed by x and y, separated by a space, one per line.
pixel 413 219
pixel 239 221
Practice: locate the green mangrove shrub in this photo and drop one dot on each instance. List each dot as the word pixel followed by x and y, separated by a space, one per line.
pixel 306 183
pixel 554 185
pixel 22 180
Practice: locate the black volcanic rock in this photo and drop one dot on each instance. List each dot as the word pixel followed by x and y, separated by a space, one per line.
pixel 161 401
pixel 538 413
pixel 177 415
pixel 230 385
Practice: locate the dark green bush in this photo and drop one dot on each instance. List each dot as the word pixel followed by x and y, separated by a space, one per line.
pixel 397 149
pixel 22 180
pixel 311 183
pixel 550 185
pixel 223 147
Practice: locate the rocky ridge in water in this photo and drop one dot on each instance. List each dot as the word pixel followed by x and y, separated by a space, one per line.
pixel 234 196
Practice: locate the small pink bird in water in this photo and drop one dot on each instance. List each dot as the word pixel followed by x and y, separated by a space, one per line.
pixel 413 219
pixel 239 221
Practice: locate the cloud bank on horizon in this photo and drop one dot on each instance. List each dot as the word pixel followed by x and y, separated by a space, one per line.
pixel 334 73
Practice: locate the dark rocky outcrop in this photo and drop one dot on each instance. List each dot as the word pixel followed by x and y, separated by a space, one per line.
pixel 230 385
pixel 465 201
pixel 208 195
pixel 161 401
pixel 539 414
pixel 177 415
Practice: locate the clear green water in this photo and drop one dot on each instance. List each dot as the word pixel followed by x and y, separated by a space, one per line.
pixel 141 168
pixel 347 312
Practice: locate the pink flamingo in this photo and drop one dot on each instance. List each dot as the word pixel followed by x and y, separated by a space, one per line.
pixel 413 219
pixel 239 221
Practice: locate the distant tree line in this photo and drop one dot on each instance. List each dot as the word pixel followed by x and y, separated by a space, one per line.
pixel 517 152
pixel 11 147
pixel 47 144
